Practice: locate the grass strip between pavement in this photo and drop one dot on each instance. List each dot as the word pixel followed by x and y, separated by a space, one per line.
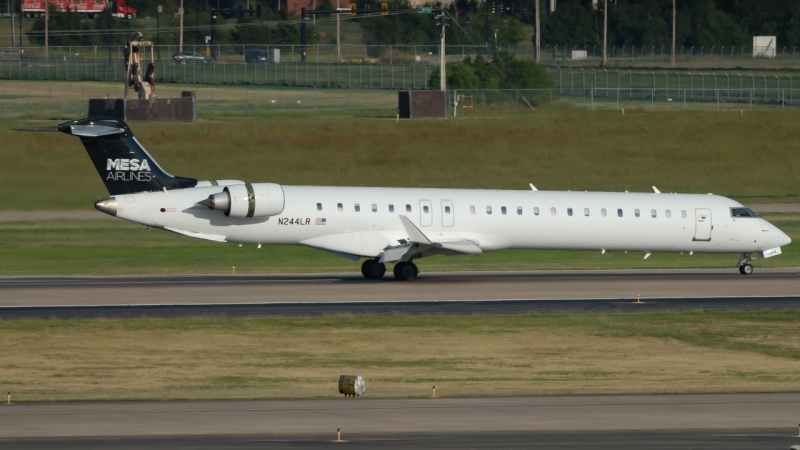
pixel 400 356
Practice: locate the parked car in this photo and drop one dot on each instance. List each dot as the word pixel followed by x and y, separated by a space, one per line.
pixel 256 55
pixel 192 57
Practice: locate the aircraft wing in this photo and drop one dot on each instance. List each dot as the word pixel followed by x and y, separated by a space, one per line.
pixel 388 247
pixel 420 245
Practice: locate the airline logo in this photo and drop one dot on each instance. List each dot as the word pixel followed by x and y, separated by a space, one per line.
pixel 128 170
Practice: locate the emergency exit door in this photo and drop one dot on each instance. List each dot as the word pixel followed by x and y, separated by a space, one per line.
pixel 448 214
pixel 425 213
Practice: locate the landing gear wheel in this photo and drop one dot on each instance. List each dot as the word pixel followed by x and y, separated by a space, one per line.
pixel 372 269
pixel 745 269
pixel 405 271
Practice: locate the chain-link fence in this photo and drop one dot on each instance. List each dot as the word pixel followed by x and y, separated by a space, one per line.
pixel 220 102
pixel 558 55
pixel 379 75
pixel 345 75
pixel 760 87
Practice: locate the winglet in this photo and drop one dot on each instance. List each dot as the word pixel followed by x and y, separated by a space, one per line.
pixel 533 188
pixel 655 189
pixel 414 235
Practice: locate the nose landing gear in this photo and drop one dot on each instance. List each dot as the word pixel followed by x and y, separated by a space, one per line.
pixel 744 264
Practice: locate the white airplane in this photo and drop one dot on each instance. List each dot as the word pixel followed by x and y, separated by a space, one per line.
pixel 400 225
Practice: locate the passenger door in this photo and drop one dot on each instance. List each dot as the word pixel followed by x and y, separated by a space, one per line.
pixel 448 214
pixel 425 213
pixel 702 224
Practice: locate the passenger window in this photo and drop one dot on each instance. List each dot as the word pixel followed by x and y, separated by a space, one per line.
pixel 447 210
pixel 358 207
pixel 569 212
pixel 552 211
pixel 339 207
pixel 668 214
pixel 391 207
pixel 536 211
pixel 425 209
pixel 472 209
pixel 683 214
pixel 636 213
pixel 503 210
pixel 488 210
pixel 586 212
pixel 408 208
pixel 653 213
pixel 519 210
pixel 374 207
pixel 619 213
pixel 319 206
pixel 603 212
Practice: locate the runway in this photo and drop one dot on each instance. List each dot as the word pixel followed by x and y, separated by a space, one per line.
pixel 738 439
pixel 744 419
pixel 436 293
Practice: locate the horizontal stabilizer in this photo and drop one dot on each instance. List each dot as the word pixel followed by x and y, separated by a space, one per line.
pixel 46 129
pixel 93 130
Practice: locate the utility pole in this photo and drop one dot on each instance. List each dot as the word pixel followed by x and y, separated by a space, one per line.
pixel 672 55
pixel 338 34
pixel 605 32
pixel 46 30
pixel 488 40
pixel 180 45
pixel 538 43
pixel 12 12
pixel 442 18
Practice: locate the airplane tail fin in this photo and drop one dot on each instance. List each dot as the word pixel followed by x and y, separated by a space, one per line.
pixel 122 162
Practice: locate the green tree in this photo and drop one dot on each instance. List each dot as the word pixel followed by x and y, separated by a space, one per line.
pixel 63 21
pixel 504 71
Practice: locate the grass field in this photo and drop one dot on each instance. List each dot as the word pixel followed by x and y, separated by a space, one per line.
pixel 105 247
pixel 400 356
pixel 751 158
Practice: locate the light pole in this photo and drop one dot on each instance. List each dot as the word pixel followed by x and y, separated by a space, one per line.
pixel 180 43
pixel 338 34
pixel 46 30
pixel 538 38
pixel 672 57
pixel 605 32
pixel 158 31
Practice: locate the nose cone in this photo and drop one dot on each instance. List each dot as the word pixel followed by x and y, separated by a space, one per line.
pixel 107 205
pixel 783 239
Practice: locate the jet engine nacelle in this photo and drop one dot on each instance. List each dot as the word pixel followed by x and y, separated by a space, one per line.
pixel 248 200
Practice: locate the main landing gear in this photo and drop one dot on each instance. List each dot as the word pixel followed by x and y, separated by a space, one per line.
pixel 405 270
pixel 373 270
pixel 744 264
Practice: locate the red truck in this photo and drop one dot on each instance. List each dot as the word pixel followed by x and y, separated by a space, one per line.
pixel 92 8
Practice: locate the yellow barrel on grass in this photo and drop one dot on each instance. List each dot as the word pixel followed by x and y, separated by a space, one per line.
pixel 351 385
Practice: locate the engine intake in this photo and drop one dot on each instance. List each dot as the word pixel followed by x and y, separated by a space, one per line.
pixel 248 200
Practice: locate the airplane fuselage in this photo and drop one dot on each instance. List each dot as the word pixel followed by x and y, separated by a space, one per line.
pixel 363 221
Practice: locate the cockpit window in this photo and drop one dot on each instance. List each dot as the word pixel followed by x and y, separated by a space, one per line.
pixel 743 212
